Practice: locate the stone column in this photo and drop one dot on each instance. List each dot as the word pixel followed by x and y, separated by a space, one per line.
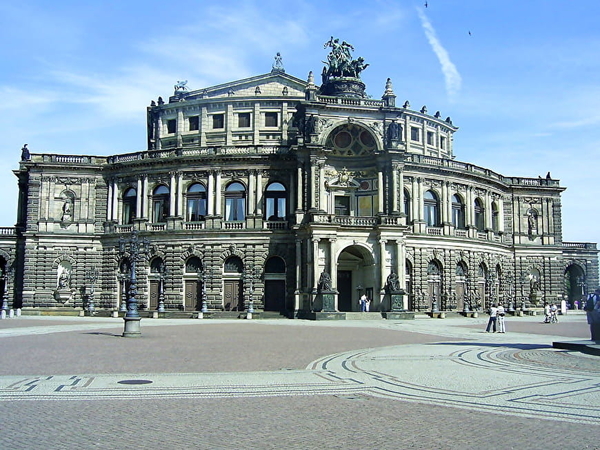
pixel 500 215
pixel 382 266
pixel 211 195
pixel 140 198
pixel 259 193
pixel 115 200
pixel 110 202
pixel 180 208
pixel 145 208
pixel 401 191
pixel 395 208
pixel 311 184
pixel 172 191
pixel 322 204
pixel 300 186
pixel 381 195
pixel 218 193
pixel 445 201
pixel 315 258
pixel 251 192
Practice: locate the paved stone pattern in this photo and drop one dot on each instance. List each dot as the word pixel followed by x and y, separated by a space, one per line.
pixel 294 384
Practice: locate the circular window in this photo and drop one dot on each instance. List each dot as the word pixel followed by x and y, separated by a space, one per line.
pixel 343 139
pixel 366 139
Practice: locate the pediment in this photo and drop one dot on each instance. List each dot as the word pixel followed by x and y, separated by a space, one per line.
pixel 275 84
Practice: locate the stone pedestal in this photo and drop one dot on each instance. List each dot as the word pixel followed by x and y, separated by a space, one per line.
pixel 325 301
pixel 132 327
pixel 397 301
pixel 63 295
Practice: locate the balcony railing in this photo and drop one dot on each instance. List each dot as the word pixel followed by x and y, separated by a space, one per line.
pixel 276 225
pixel 237 225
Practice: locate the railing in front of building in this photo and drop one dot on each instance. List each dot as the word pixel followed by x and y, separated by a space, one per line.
pixel 8 231
pixel 434 231
pixel 582 245
pixel 123 228
pixel 156 226
pixel 350 101
pixel 192 226
pixel 275 225
pixel 452 164
pixel 235 225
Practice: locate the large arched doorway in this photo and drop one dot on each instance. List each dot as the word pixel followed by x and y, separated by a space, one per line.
pixel 275 284
pixel 355 276
pixel 574 285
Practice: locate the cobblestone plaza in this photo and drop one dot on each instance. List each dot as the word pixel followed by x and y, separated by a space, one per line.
pixel 218 384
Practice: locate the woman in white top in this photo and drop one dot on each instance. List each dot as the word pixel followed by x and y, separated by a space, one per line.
pixel 500 320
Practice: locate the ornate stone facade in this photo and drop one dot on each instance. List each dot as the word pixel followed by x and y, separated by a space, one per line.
pixel 256 188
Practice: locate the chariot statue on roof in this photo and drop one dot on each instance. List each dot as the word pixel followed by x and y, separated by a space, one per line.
pixel 340 60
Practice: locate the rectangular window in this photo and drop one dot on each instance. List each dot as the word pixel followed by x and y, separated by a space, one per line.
pixel 171 126
pixel 194 123
pixel 271 119
pixel 414 134
pixel 430 138
pixel 244 120
pixel 442 142
pixel 342 205
pixel 365 206
pixel 218 121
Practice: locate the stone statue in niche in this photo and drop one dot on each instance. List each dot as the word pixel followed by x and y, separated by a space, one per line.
pixel 67 210
pixel 63 292
pixel 531 222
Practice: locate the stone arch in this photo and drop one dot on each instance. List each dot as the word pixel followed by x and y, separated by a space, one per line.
pixel 356 275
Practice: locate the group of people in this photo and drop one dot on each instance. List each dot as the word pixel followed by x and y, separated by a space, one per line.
pixel 364 303
pixel 497 314
pixel 550 313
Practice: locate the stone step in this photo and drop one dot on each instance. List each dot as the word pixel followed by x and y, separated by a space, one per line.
pixel 364 316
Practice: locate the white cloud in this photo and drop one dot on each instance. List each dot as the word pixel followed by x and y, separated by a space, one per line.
pixel 451 75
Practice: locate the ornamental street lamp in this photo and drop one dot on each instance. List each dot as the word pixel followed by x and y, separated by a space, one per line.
pixel 250 276
pixel 91 275
pixel 204 275
pixel 162 274
pixel 123 306
pixel 6 275
pixel 136 248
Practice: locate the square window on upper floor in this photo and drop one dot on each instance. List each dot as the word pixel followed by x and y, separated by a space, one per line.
pixel 271 119
pixel 244 120
pixel 194 123
pixel 171 126
pixel 218 121
pixel 414 134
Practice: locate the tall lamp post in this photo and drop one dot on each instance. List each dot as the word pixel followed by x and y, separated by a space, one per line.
pixel 91 275
pixel 251 275
pixel 162 275
pixel 137 248
pixel 204 275
pixel 6 275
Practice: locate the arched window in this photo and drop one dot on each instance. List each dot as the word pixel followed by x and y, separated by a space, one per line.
pixel 157 266
pixel 193 265
pixel 235 202
pixel 276 202
pixel 234 265
pixel 495 217
pixel 160 204
pixel 479 215
pixel 129 206
pixel 432 209
pixel 458 212
pixel 275 264
pixel 196 202
pixel 407 207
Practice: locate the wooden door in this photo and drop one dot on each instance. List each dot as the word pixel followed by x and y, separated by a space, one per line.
pixel 192 295
pixel 153 295
pixel 232 295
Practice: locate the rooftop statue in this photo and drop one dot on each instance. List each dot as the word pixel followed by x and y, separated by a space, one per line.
pixel 340 62
pixel 278 64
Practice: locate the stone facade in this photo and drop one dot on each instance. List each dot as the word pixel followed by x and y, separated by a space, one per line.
pixel 256 189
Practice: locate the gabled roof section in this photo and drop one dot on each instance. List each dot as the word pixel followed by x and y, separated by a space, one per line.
pixel 271 84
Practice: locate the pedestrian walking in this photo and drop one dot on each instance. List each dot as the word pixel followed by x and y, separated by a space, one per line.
pixel 363 303
pixel 501 313
pixel 367 304
pixel 592 310
pixel 553 313
pixel 546 312
pixel 493 317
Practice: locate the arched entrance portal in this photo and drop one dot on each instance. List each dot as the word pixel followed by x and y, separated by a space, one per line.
pixel 355 276
pixel 574 285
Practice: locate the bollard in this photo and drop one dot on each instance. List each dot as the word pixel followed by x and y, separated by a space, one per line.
pixel 18 312
pixel 475 315
pixel 200 315
pixel 3 314
pixel 442 315
pixel 115 314
pixel 155 314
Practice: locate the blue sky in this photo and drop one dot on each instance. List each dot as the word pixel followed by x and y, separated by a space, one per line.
pixel 523 86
